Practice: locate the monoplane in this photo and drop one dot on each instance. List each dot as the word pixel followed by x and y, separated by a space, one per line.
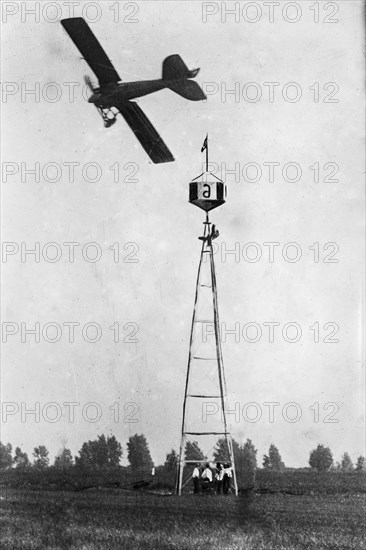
pixel 112 96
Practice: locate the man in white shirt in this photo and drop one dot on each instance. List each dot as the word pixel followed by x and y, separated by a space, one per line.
pixel 196 478
pixel 207 478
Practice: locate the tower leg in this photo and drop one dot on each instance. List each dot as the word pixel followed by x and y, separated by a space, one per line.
pixel 232 460
pixel 223 390
pixel 180 466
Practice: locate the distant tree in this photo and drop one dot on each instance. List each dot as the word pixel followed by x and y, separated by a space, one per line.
pixel 193 452
pixel 85 459
pixel 6 459
pixel 237 450
pixel 171 460
pixel 361 464
pixel 104 452
pixel 115 451
pixel 40 455
pixel 266 462
pixel 139 453
pixel 21 459
pixel 336 467
pixel 346 463
pixel 64 460
pixel 321 458
pixel 273 460
pixel 248 462
pixel 221 451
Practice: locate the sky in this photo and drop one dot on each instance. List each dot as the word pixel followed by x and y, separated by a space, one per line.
pixel 284 114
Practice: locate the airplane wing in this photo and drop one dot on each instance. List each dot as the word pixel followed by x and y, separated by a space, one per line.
pixel 145 132
pixel 89 47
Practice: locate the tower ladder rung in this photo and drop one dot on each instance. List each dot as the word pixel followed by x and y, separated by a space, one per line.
pixel 204 461
pixel 205 396
pixel 203 321
pixel 205 358
pixel 207 286
pixel 206 433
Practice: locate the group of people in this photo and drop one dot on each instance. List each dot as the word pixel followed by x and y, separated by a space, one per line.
pixel 207 479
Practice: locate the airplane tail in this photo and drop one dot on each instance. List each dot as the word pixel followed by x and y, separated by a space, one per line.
pixel 176 73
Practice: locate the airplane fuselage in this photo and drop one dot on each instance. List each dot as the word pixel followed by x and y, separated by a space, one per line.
pixel 112 96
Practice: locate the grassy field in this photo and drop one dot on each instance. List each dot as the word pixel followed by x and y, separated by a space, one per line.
pixel 104 519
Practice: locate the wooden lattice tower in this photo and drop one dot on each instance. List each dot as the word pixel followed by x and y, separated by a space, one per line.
pixel 205 389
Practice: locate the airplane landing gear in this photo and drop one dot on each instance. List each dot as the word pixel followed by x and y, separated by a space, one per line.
pixel 108 116
pixel 109 122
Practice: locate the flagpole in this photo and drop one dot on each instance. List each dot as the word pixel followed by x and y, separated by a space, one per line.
pixel 206 152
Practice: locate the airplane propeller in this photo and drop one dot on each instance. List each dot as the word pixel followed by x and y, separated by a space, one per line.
pixel 89 83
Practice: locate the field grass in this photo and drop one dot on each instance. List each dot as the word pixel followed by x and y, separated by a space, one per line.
pixel 104 519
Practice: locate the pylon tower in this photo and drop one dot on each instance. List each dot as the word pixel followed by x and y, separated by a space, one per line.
pixel 204 416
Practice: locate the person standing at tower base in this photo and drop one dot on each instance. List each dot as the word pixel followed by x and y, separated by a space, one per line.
pixel 228 474
pixel 196 479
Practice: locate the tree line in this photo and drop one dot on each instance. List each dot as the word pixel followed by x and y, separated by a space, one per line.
pixel 105 453
pixel 102 453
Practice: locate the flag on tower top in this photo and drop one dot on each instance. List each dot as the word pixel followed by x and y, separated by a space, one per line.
pixel 204 146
